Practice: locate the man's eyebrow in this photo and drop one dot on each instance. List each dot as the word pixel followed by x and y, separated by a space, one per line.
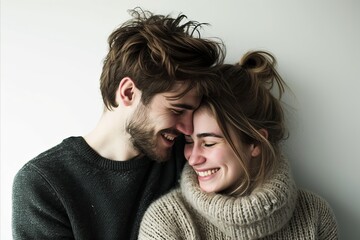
pixel 202 135
pixel 183 105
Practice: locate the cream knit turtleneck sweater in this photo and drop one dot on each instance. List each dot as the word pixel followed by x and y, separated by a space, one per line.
pixel 275 210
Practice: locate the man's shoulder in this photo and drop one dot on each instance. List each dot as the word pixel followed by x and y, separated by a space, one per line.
pixel 54 158
pixel 52 155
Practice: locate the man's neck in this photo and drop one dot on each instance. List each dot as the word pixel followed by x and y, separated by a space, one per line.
pixel 110 140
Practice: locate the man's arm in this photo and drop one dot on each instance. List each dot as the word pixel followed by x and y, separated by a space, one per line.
pixel 38 212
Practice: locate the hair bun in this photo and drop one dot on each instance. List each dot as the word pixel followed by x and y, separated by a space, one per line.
pixel 260 66
pixel 258 62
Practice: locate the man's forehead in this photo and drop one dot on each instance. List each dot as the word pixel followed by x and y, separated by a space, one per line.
pixel 180 99
pixel 184 105
pixel 182 89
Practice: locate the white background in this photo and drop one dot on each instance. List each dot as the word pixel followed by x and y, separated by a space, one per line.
pixel 51 59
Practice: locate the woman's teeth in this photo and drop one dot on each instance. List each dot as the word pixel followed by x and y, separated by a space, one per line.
pixel 207 173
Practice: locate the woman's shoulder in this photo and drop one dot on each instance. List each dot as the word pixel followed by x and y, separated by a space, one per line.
pixel 173 195
pixel 167 218
pixel 312 200
pixel 168 206
pixel 317 212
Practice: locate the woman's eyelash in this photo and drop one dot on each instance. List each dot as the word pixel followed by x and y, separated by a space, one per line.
pixel 209 144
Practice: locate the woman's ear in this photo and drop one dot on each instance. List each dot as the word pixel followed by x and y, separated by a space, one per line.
pixel 255 149
pixel 126 92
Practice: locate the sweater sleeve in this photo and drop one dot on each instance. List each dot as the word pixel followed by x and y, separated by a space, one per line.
pixel 328 225
pixel 37 211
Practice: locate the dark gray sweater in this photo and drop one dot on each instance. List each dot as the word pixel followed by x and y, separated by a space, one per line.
pixel 70 192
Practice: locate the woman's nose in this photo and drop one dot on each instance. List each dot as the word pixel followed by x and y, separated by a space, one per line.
pixel 196 158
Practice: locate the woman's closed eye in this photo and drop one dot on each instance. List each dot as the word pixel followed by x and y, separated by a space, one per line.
pixel 208 144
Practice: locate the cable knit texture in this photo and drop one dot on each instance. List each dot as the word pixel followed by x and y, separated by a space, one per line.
pixel 275 210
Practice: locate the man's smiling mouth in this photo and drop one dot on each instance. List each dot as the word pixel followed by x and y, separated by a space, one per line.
pixel 169 137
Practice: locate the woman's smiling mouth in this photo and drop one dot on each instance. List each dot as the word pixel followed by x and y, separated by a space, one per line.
pixel 207 172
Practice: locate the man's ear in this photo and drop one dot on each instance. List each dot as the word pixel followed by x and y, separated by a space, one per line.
pixel 255 149
pixel 126 92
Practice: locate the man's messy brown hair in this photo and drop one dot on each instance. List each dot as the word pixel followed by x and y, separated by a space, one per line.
pixel 156 51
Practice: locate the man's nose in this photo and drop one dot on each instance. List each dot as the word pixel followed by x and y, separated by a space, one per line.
pixel 185 124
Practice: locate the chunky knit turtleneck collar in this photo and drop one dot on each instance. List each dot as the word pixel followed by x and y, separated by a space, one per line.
pixel 266 210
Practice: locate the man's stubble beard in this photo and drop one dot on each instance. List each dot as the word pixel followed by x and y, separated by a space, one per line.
pixel 142 135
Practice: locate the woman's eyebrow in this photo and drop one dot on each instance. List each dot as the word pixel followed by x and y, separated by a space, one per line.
pixel 202 135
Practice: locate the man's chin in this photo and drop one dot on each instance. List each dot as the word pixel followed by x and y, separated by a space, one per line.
pixel 164 157
pixel 155 152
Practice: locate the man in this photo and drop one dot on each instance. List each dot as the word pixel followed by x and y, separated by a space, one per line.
pixel 98 186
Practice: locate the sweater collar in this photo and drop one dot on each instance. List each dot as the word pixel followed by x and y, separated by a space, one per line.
pixel 266 210
pixel 89 155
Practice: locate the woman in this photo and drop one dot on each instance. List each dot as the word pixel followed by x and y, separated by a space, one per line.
pixel 237 184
